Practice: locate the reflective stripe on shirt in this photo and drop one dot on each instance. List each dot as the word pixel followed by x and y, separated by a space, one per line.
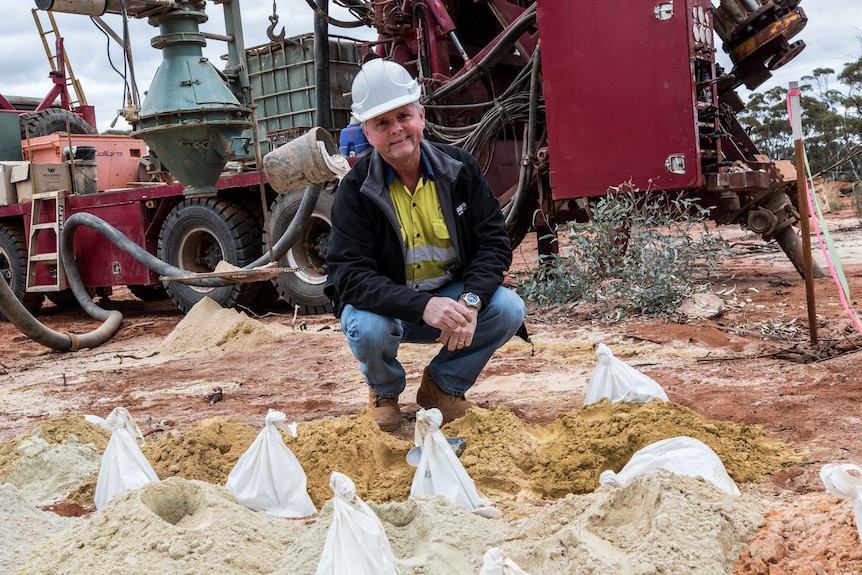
pixel 429 250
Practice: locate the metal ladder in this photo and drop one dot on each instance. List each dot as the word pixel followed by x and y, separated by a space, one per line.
pixel 64 67
pixel 36 259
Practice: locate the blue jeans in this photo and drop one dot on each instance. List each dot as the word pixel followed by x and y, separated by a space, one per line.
pixel 374 341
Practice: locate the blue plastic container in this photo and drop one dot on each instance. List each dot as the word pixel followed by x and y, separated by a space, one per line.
pixel 352 141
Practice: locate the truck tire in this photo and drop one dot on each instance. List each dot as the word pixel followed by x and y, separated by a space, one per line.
pixel 305 287
pixel 52 121
pixel 149 293
pixel 266 297
pixel 267 293
pixel 196 235
pixel 63 298
pixel 13 266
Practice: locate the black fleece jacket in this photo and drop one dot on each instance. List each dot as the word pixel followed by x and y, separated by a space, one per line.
pixel 365 252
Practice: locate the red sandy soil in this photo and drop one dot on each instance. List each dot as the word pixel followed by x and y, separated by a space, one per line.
pixel 752 364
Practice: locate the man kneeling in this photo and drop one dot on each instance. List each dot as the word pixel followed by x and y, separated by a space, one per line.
pixel 417 253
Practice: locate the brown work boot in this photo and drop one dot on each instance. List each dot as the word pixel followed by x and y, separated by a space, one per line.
pixel 430 396
pixel 384 410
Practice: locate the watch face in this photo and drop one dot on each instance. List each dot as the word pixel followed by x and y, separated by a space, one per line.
pixel 471 299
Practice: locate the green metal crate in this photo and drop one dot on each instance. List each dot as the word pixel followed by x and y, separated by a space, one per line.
pixel 282 81
pixel 10 137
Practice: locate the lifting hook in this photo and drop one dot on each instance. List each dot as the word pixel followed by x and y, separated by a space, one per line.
pixel 273 22
pixel 270 30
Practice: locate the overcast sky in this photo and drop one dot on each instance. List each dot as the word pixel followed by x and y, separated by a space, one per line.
pixel 832 36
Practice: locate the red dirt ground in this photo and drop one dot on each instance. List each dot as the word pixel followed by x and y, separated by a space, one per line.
pixel 753 364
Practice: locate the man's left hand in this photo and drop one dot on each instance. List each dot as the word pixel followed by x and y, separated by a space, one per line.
pixel 461 336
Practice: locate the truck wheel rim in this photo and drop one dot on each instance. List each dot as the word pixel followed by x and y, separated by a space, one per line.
pixel 199 251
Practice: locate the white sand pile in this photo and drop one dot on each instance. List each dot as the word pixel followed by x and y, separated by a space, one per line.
pixel 658 523
pixel 46 473
pixel 208 326
pixel 173 526
pixel 23 527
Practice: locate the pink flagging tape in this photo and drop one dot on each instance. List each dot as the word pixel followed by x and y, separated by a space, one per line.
pixel 827 246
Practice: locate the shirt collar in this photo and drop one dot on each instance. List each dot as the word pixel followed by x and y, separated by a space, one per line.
pixel 389 174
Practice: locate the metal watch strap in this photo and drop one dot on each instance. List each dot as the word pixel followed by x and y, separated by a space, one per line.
pixel 471 300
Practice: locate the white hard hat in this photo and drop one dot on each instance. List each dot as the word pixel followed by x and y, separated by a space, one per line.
pixel 381 86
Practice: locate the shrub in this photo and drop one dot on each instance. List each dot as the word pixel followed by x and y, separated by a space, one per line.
pixel 639 253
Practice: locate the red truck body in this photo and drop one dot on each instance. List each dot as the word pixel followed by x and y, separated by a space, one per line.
pixel 624 100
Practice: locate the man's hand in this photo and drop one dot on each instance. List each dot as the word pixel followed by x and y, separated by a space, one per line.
pixel 456 321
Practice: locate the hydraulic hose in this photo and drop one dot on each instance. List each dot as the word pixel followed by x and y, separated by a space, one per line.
pixel 526 20
pixel 516 206
pixel 112 319
pixel 791 244
pixel 516 103
pixel 40 333
pixel 112 234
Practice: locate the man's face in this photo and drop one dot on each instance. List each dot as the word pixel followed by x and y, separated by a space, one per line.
pixel 396 134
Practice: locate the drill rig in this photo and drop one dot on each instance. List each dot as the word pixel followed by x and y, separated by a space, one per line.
pixel 559 101
pixel 562 101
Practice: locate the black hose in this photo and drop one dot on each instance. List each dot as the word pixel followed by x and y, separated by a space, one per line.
pixel 112 234
pixel 516 206
pixel 525 21
pixel 367 21
pixel 112 319
pixel 509 107
pixel 40 333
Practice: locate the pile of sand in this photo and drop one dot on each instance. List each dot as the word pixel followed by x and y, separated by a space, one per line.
pixel 170 527
pixel 24 527
pixel 513 460
pixel 208 326
pixel 52 460
pixel 659 523
pixel 188 523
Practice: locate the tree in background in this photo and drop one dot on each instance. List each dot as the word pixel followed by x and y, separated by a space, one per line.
pixel 831 122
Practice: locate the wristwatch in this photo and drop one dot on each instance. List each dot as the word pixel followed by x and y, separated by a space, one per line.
pixel 471 300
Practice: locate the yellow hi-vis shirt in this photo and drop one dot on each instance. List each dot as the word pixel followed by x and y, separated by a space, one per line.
pixel 430 252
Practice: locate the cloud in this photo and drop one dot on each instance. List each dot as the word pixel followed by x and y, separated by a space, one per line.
pixel 24 66
pixel 832 38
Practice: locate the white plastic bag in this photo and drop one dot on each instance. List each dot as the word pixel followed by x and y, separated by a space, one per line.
pixel 618 381
pixel 840 483
pixel 681 455
pixel 496 562
pixel 123 466
pixel 356 543
pixel 96 420
pixel 439 471
pixel 268 477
